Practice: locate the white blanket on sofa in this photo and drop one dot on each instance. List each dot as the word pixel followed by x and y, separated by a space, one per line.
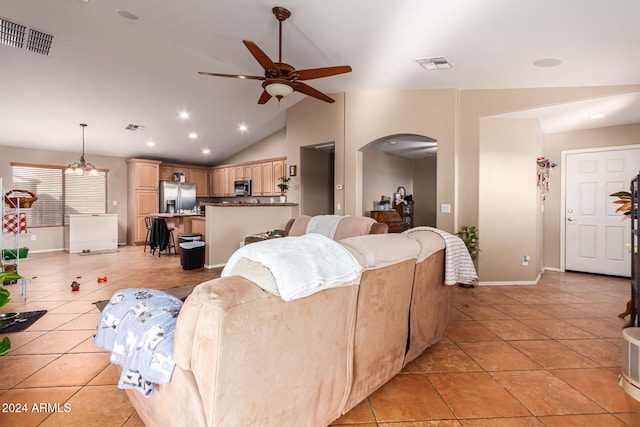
pixel 458 265
pixel 324 224
pixel 301 265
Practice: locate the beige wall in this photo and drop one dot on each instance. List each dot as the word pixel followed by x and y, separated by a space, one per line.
pixel 311 122
pixel 382 174
pixel 451 117
pixel 52 238
pixel 509 224
pixel 555 144
pixel 274 145
pixel 373 115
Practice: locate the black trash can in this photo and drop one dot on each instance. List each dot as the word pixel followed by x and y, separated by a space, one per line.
pixel 189 237
pixel 192 255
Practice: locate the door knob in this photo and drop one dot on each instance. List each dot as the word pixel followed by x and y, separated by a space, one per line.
pixel 571 219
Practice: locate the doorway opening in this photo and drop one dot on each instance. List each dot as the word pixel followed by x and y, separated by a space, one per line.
pixel 405 162
pixel 317 179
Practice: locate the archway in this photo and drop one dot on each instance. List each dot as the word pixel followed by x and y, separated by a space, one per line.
pixel 401 160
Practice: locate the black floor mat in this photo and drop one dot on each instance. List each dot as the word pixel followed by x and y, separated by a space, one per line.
pixel 14 322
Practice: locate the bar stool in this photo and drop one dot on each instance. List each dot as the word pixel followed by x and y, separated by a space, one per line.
pixel 161 237
pixel 147 225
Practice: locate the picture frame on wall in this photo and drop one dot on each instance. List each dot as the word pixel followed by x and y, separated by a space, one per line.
pixel 292 170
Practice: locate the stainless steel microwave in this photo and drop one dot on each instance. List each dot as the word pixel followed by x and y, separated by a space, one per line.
pixel 242 187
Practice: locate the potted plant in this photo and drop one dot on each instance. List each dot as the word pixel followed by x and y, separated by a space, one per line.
pixel 469 236
pixel 5 297
pixel 283 186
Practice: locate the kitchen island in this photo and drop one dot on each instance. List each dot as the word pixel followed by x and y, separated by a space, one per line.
pixel 227 224
pixel 181 223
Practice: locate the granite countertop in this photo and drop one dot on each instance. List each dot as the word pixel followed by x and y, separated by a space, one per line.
pixel 174 215
pixel 242 205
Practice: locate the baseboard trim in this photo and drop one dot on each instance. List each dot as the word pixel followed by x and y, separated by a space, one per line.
pixel 507 283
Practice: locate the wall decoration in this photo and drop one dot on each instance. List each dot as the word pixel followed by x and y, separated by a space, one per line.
pixel 293 170
pixel 545 168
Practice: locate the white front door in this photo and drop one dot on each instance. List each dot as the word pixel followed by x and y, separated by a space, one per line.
pixel 594 233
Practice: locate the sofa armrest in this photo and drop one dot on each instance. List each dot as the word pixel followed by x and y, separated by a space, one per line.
pixel 288 226
pixel 379 228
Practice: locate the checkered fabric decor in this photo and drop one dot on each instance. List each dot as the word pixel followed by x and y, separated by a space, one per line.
pixel 14 223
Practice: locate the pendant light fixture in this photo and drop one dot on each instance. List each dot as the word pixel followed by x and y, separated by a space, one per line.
pixel 81 167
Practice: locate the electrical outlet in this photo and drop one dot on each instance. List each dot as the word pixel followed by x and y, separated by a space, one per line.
pixel 33 237
pixel 526 259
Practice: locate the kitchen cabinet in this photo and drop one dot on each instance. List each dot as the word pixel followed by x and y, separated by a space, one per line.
pixel 220 182
pixel 267 179
pixel 278 172
pixel 200 177
pixel 231 179
pixel 142 196
pixel 256 179
pixel 166 172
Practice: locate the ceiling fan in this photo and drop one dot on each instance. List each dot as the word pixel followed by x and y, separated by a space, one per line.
pixel 282 79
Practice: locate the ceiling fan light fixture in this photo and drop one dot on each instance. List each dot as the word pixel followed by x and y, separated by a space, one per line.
pixel 279 89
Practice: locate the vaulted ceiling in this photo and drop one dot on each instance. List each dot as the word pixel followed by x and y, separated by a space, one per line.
pixel 110 72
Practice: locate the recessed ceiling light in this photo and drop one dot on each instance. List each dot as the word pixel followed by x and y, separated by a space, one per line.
pixel 547 62
pixel 193 135
pixel 243 128
pixel 184 115
pixel 127 15
pixel 151 144
pixel 205 151
pixel 596 116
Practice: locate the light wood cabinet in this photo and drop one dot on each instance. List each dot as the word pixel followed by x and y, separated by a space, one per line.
pixel 166 172
pixel 278 172
pixel 200 177
pixel 256 179
pixel 231 179
pixel 142 197
pixel 267 179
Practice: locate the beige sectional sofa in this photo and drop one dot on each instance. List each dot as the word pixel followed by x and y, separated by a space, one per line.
pixel 244 357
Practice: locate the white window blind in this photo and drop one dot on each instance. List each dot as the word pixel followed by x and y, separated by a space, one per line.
pixel 85 194
pixel 60 194
pixel 47 185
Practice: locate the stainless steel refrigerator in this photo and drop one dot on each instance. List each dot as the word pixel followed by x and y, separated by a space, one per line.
pixel 176 196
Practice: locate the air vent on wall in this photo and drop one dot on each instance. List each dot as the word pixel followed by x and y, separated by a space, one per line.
pixel 22 37
pixel 133 127
pixel 434 63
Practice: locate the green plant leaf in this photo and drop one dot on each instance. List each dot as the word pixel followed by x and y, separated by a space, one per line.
pixel 5 296
pixel 5 345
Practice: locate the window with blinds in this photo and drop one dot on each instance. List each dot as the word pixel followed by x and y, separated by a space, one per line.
pixel 60 194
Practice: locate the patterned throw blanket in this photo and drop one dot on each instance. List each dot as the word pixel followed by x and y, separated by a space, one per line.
pixel 137 326
pixel 458 265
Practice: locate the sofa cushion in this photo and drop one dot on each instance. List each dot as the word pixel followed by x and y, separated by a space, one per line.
pixel 380 250
pixel 349 226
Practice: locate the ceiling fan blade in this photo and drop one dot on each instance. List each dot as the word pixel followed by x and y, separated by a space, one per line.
pixel 316 73
pixel 270 68
pixel 308 90
pixel 264 97
pixel 235 76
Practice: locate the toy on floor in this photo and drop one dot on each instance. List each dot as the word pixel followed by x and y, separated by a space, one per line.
pixel 75 286
pixel 102 279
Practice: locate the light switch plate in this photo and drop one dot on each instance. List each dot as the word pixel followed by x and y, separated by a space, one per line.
pixel 445 208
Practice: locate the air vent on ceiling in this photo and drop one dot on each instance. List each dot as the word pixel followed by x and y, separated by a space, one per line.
pixel 22 37
pixel 434 63
pixel 133 127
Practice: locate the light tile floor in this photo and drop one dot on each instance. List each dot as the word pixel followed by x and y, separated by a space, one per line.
pixel 514 356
